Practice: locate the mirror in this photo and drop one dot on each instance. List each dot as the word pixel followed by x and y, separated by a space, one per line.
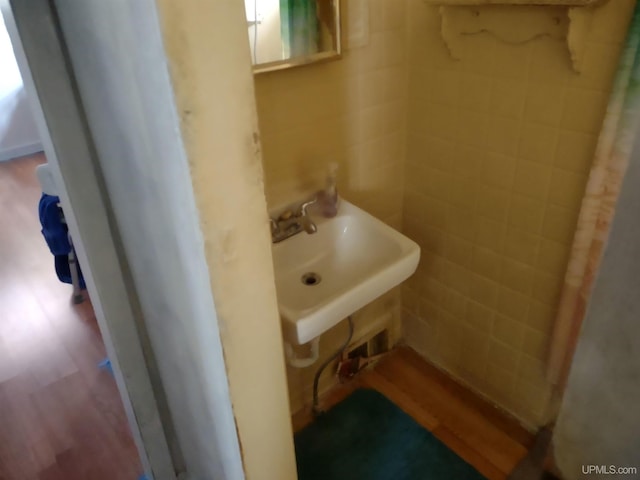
pixel 290 33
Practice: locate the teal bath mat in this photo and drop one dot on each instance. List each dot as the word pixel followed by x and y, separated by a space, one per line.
pixel 366 437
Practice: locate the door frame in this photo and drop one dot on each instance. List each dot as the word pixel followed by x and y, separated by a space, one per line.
pixel 49 82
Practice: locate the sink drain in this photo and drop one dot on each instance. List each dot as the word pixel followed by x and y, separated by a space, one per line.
pixel 311 279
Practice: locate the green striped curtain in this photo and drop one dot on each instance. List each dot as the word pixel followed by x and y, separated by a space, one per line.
pixel 299 27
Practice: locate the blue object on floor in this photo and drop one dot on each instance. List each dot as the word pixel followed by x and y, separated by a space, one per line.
pixel 55 232
pixel 106 365
pixel 366 437
pixel 142 477
pixel 54 229
pixel 63 270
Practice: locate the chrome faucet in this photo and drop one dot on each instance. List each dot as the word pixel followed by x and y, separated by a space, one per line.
pixel 289 223
pixel 303 215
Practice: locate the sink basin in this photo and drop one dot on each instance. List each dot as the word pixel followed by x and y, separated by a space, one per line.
pixel 323 278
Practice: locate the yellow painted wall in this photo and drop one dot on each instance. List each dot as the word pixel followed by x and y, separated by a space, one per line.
pixel 220 131
pixel 351 111
pixel 499 147
pixel 482 161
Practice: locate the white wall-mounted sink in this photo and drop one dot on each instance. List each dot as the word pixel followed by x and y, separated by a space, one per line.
pixel 356 257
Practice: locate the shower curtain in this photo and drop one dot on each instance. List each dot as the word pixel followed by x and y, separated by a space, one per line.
pixel 612 155
pixel 300 27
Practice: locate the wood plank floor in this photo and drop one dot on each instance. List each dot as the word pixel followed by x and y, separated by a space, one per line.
pixel 60 416
pixel 479 433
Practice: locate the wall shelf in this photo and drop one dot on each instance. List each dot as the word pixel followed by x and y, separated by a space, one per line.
pixel 517 22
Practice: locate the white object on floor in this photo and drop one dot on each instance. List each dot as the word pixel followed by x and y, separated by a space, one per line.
pixel 45 177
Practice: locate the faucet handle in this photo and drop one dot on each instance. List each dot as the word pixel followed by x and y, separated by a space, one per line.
pixel 286 215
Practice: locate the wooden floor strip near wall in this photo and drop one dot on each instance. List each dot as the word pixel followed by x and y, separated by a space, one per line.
pixel 402 399
pixel 469 455
pixel 459 416
pixel 479 433
pixel 497 417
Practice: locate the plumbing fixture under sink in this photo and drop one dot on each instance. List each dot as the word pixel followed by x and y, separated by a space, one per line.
pixel 352 259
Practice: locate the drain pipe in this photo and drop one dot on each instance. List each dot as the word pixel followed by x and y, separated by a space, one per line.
pixel 296 362
pixel 316 404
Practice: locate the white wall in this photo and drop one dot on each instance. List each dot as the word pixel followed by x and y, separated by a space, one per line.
pixel 120 66
pixel 18 132
pixel 599 422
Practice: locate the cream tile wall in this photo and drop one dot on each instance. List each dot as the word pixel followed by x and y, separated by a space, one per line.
pixel 499 146
pixel 353 112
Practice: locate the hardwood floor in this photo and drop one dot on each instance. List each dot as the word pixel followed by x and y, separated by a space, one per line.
pixel 479 433
pixel 60 416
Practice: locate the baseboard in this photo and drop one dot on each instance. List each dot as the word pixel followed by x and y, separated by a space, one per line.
pixel 21 151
